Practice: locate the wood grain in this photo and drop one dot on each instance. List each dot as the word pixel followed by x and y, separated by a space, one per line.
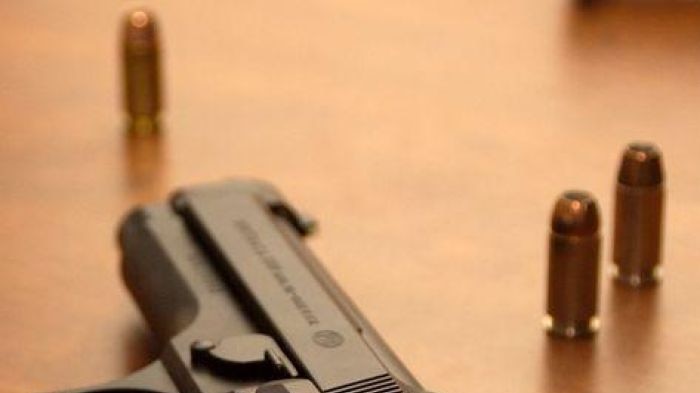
pixel 430 139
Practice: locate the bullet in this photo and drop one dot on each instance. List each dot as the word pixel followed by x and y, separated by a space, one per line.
pixel 141 72
pixel 574 259
pixel 639 205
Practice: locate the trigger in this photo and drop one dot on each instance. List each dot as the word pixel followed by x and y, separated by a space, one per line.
pixel 249 356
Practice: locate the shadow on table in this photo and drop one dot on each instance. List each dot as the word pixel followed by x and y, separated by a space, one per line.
pixel 632 338
pixel 568 365
pixel 656 26
pixel 627 345
pixel 140 348
pixel 145 166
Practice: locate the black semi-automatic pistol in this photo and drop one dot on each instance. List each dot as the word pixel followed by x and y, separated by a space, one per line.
pixel 240 305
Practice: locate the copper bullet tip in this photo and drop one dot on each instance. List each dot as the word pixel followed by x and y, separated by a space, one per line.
pixel 641 165
pixel 140 28
pixel 575 214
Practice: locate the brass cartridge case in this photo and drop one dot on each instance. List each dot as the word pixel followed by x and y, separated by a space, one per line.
pixel 573 273
pixel 141 72
pixel 639 207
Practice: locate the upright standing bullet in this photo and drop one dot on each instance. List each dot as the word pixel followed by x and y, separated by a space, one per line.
pixel 141 72
pixel 574 254
pixel 639 202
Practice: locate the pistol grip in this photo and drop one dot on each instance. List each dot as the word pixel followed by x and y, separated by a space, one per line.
pixel 150 379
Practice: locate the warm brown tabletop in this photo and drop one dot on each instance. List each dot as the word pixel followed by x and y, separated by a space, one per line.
pixel 429 139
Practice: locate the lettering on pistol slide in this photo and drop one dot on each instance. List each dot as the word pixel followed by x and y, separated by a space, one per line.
pixel 273 265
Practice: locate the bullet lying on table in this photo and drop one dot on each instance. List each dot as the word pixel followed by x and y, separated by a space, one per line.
pixel 639 202
pixel 574 255
pixel 141 72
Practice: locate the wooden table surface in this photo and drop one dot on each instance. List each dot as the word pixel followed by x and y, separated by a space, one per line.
pixel 429 138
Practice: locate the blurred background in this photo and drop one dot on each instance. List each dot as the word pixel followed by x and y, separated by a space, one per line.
pixel 430 139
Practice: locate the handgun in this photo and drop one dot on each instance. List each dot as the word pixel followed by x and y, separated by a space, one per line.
pixel 239 304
